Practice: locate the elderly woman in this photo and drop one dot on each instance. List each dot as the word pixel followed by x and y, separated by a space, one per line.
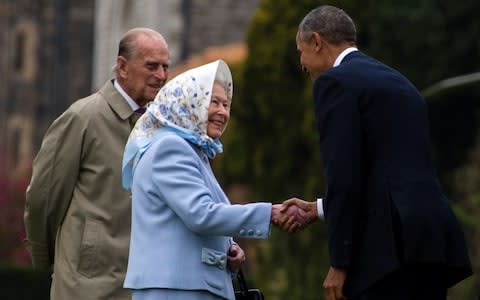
pixel 182 222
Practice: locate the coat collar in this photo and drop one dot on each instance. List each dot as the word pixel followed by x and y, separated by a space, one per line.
pixel 115 100
pixel 351 55
pixel 342 55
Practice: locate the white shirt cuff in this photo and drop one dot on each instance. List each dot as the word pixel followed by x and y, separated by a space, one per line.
pixel 320 208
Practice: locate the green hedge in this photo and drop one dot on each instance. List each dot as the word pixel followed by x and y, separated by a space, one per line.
pixel 24 284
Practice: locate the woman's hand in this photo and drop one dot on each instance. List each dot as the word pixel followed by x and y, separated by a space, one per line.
pixel 235 258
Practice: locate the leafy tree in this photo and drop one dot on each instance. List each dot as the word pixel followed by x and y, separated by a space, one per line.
pixel 467 184
pixel 459 161
pixel 271 145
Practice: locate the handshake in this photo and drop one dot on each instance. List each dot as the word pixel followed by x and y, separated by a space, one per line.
pixel 294 214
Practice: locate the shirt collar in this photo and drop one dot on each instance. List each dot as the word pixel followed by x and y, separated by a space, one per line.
pixel 127 98
pixel 343 54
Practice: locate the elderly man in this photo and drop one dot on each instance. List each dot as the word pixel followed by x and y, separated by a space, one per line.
pixel 77 214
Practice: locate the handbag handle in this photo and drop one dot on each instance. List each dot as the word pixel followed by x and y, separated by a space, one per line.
pixel 242 284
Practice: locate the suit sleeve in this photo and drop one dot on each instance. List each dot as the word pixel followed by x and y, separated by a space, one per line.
pixel 48 196
pixel 338 123
pixel 187 194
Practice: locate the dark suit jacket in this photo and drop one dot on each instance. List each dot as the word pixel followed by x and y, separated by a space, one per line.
pixel 384 206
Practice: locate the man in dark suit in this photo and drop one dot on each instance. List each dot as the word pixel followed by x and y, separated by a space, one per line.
pixel 391 231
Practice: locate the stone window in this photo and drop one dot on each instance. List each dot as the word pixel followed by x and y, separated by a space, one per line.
pixel 24 60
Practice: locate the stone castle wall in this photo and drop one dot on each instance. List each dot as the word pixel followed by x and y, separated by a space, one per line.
pixel 57 51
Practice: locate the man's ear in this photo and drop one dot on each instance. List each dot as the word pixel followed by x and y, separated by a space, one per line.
pixel 121 66
pixel 317 40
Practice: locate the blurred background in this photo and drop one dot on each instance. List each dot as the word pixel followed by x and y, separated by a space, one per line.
pixel 57 51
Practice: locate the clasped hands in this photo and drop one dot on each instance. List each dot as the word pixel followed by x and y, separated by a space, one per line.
pixel 294 214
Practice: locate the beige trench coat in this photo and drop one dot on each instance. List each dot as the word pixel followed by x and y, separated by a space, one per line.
pixel 77 214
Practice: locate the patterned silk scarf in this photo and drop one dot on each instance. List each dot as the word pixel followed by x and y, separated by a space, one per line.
pixel 181 106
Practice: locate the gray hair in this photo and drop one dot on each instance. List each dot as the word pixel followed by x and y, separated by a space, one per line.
pixel 128 44
pixel 335 26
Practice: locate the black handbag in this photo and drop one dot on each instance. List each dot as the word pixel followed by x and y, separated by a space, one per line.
pixel 244 293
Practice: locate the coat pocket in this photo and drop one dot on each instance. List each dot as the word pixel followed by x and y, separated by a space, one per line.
pixel 89 256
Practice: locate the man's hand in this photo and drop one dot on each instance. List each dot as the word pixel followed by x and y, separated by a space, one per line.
pixel 300 214
pixel 287 218
pixel 333 284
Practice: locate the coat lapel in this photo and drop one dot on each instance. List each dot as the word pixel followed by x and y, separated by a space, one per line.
pixel 115 100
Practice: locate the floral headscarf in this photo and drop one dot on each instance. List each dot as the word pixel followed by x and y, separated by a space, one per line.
pixel 180 106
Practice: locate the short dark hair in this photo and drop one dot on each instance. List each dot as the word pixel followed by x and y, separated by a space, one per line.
pixel 335 26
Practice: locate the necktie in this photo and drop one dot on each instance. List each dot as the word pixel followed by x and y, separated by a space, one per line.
pixel 136 115
pixel 141 110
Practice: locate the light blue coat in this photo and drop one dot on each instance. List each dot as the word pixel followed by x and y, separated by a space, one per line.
pixel 183 223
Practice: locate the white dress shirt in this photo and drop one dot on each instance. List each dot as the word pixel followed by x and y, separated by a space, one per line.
pixel 125 96
pixel 342 55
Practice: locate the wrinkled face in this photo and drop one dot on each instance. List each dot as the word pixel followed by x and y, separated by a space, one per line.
pixel 310 56
pixel 218 111
pixel 146 72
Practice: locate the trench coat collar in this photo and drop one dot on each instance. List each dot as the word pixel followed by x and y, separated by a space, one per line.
pixel 115 100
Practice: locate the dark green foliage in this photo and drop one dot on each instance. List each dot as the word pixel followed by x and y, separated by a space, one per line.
pixel 272 143
pixel 426 40
pixel 273 112
pixel 466 186
pixel 454 118
pixel 282 146
pixel 456 141
pixel 24 284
